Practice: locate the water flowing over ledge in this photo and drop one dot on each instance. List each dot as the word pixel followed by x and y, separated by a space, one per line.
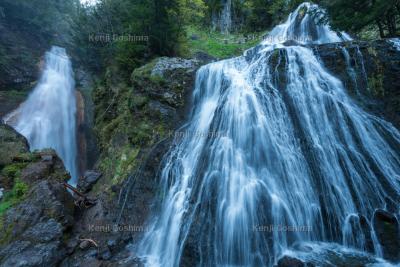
pixel 296 151
pixel 48 117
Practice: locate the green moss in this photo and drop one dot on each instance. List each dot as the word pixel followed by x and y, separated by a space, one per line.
pixel 108 129
pixel 138 102
pixel 372 51
pixel 5 231
pixel 141 133
pixel 375 83
pixel 13 170
pixel 125 164
pixel 144 71
pixel 219 45
pixel 376 79
pixel 15 196
pixel 157 79
pixel 117 166
pixel 128 127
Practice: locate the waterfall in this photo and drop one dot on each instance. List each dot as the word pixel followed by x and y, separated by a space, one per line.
pixel 396 43
pixel 48 117
pixel 222 19
pixel 293 166
pixel 226 17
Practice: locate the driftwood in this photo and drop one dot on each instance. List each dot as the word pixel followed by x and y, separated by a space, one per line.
pixel 81 200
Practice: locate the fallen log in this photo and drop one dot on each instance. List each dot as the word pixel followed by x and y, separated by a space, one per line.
pixel 81 200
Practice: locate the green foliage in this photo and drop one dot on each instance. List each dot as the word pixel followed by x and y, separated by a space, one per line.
pixel 220 45
pixel 15 196
pixel 193 11
pixel 42 17
pixel 356 15
pixel 12 171
pixel 127 33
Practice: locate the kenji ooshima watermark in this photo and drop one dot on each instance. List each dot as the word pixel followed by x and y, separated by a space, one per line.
pixel 110 38
pixel 282 228
pixel 109 228
pixel 196 134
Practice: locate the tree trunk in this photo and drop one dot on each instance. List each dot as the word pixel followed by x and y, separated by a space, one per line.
pixel 381 31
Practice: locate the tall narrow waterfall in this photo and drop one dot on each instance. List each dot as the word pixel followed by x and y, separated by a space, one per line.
pixel 47 118
pixel 226 17
pixel 223 19
pixel 289 150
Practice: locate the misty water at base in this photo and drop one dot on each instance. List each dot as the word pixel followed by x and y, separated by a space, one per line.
pixel 292 149
pixel 48 117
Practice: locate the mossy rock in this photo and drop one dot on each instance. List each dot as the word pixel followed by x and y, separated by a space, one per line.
pixel 12 144
pixel 13 197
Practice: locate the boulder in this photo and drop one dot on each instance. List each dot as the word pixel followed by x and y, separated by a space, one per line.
pixel 11 144
pixel 86 182
pixel 32 231
pixel 33 255
pixel 287 261
pixel 36 171
pixel 44 232
pixel 387 231
pixel 165 65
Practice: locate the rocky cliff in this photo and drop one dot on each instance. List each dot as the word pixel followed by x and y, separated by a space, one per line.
pixel 370 72
pixel 36 211
pixel 134 125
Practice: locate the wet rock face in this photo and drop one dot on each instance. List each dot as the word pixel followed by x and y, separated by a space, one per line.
pixel 32 232
pixel 387 231
pixel 21 52
pixel 369 71
pixel 86 182
pixel 39 223
pixel 11 145
pixel 287 261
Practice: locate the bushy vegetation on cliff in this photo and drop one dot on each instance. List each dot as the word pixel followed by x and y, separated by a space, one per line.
pixel 356 15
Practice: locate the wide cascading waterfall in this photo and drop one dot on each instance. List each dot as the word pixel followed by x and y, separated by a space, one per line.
pixel 276 159
pixel 48 117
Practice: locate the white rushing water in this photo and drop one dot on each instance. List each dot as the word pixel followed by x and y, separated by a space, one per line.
pixel 396 42
pixel 226 17
pixel 48 117
pixel 289 150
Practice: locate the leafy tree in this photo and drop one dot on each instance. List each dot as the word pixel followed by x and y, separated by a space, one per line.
pixel 144 29
pixel 44 18
pixel 355 15
pixel 193 11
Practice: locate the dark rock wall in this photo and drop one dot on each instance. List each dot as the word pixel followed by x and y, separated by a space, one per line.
pixel 134 125
pixel 36 211
pixel 375 85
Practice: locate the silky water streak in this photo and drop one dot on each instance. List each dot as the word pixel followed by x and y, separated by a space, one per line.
pixel 48 117
pixel 296 151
